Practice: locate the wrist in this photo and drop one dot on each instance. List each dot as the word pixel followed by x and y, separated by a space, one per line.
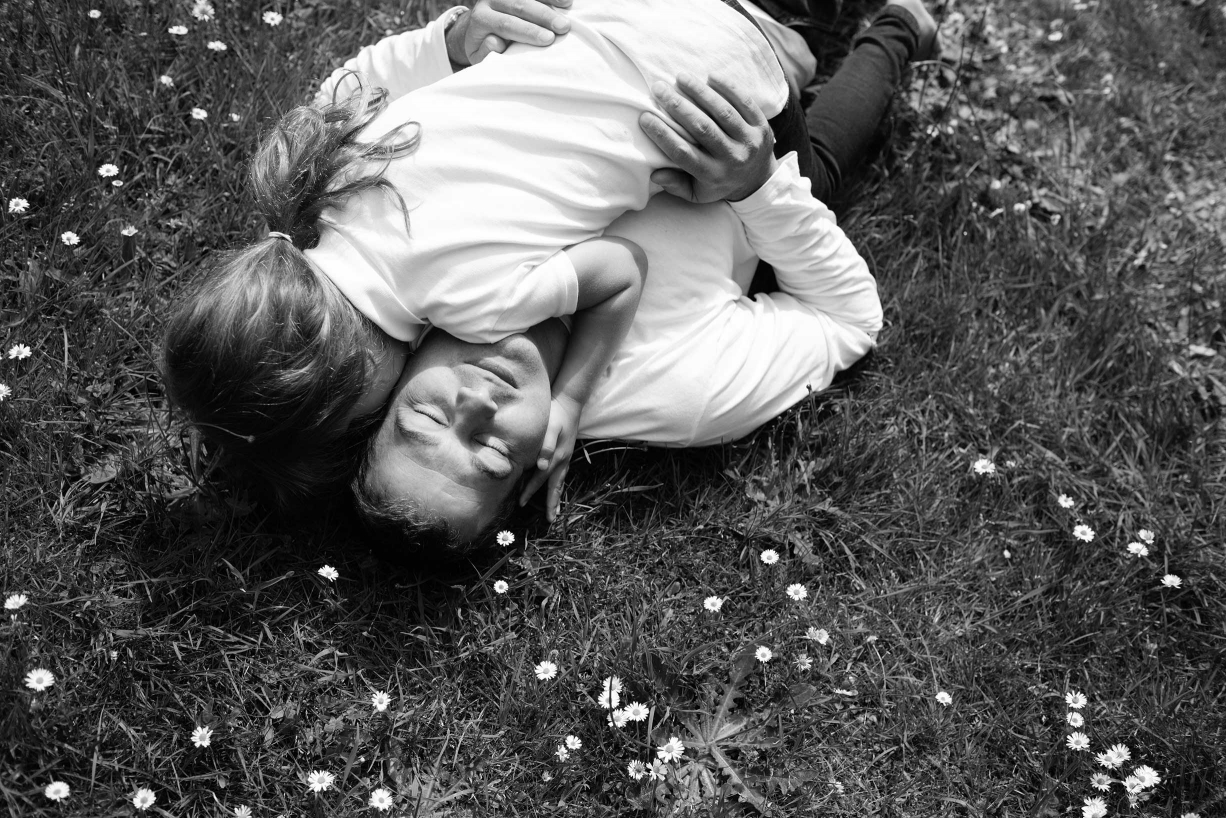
pixel 455 28
pixel 758 183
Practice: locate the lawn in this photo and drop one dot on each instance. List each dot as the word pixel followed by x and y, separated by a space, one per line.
pixel 1004 532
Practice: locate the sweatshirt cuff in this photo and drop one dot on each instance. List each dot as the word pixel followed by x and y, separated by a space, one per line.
pixel 785 177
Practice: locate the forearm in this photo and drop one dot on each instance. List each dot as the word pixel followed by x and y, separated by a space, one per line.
pixel 813 259
pixel 611 273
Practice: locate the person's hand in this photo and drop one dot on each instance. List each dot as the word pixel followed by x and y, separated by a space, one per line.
pixel 731 154
pixel 492 25
pixel 554 460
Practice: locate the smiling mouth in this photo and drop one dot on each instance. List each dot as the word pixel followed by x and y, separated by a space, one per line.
pixel 499 371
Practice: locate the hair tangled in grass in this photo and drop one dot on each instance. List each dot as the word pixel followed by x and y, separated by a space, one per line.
pixel 403 530
pixel 266 355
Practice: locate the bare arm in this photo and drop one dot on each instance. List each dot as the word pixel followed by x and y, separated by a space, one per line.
pixel 611 273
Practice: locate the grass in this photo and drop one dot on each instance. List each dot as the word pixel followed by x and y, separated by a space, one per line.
pixel 1073 352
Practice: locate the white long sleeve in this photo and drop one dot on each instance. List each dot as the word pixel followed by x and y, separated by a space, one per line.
pixel 400 63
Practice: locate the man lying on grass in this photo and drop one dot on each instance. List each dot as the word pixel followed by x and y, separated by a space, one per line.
pixel 702 363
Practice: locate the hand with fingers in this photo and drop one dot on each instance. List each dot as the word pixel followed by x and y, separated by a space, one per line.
pixel 554 459
pixel 729 151
pixel 492 25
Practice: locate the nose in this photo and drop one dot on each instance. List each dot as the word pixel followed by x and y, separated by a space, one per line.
pixel 476 402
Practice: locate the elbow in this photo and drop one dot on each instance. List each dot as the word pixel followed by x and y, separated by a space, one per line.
pixel 632 266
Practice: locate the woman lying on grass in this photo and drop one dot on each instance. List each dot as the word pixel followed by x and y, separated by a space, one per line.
pixel 702 363
pixel 474 205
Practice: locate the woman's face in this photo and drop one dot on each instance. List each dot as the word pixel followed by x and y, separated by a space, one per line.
pixel 465 422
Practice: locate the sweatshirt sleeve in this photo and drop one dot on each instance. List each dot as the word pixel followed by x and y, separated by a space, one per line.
pixel 400 63
pixel 770 352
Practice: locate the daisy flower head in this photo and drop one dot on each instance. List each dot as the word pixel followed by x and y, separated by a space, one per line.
pixel 242 811
pixel 1074 718
pixel 984 466
pixel 713 603
pixel 636 769
pixel 202 736
pixel 636 711
pixel 618 718
pixel 763 654
pixel 1075 700
pixel 546 670
pixel 1021 207
pixel 1094 808
pixel 1146 536
pixel 129 231
pixel 501 586
pixel 216 45
pixel 1115 756
pixel 610 695
pixel 1171 581
pixel 203 10
pixel 320 780
pixel 143 798
pixel 5 391
pixel 199 114
pixel 1190 815
pixel 177 31
pixel 1100 782
pixel 658 770
pixel 819 635
pixel 1138 549
pixel 505 538
pixel 70 238
pixel 379 700
pixel 944 698
pixel 670 750
pixel 797 591
pixel 18 205
pixel 329 573
pixel 803 662
pixel 272 18
pixel 1132 785
pixel 381 799
pixel 39 679
pixel 1083 532
pixel 14 601
pixel 573 742
pixel 1147 776
pixel 769 557
pixel 1065 501
pixel 1078 741
pixel 234 117
pixel 167 80
pixel 562 753
pixel 108 170
pixel 93 14
pixel 56 791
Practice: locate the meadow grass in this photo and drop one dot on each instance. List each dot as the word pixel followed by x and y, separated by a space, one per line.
pixel 1048 226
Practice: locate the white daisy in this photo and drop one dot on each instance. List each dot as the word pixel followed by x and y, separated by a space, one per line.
pixel 501 587
pixel 1094 808
pixel 505 538
pixel 1075 700
pixel 1065 501
pixel 1171 581
pixel 93 14
pixel 984 466
pixel 57 791
pixel 70 238
pixel 128 231
pixel 216 45
pixel 1100 781
pixel 636 711
pixel 819 635
pixel 319 780
pixel 573 743
pixel 39 679
pixel 199 113
pixel 203 10
pixel 381 799
pixel 234 117
pixel 1020 207
pixel 1132 785
pixel 803 662
pixel 5 391
pixel 272 18
pixel 797 591
pixel 202 736
pixel 610 695
pixel 143 798
pixel 763 654
pixel 618 718
pixel 243 811
pixel 562 753
pixel 108 170
pixel 1078 741
pixel 1083 532
pixel 177 31
pixel 670 750
pixel 636 769
pixel 1074 718
pixel 379 700
pixel 944 698
pixel 713 603
pixel 14 601
pixel 1138 549
pixel 1115 756
pixel 18 205
pixel 1146 536
pixel 770 556
pixel 1148 776
pixel 167 80
pixel 329 573
pixel 658 770
pixel 546 670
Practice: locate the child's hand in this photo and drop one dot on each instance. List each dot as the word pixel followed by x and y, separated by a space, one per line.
pixel 554 459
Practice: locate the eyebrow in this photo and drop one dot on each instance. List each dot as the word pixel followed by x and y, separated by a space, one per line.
pixel 423 439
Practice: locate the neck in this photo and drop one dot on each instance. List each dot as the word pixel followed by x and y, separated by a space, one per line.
pixel 550 338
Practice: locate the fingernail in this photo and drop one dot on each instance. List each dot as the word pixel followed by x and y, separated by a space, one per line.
pixel 561 25
pixel 660 88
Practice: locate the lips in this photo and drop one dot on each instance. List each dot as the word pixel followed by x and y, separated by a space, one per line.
pixel 500 371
